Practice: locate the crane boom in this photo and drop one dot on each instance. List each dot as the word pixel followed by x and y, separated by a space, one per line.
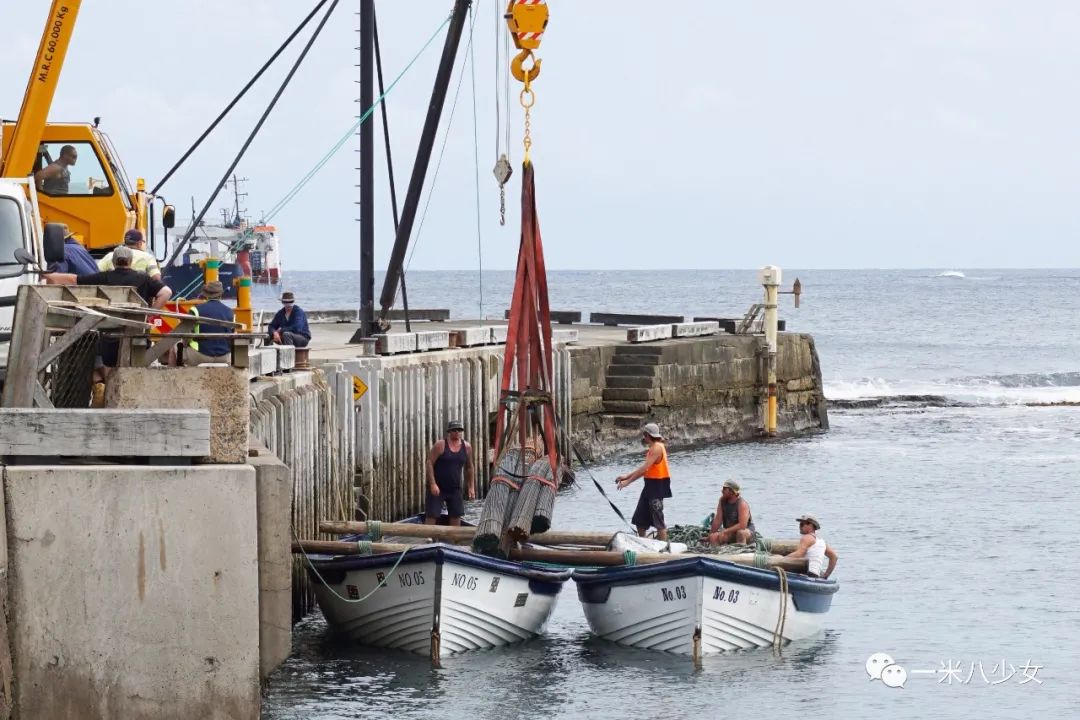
pixel 18 160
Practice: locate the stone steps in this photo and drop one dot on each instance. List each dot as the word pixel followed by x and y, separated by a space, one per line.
pixel 628 422
pixel 632 370
pixel 627 406
pixel 630 381
pixel 635 359
pixel 637 394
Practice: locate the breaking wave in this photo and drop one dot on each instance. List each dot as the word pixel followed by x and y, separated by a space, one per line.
pixel 950 274
pixel 1062 388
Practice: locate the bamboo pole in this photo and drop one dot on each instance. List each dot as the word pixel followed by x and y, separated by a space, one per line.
pixel 592 558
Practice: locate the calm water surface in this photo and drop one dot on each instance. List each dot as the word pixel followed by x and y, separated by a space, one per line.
pixel 954 516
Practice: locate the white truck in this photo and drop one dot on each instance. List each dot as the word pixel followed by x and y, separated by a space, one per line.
pixel 24 243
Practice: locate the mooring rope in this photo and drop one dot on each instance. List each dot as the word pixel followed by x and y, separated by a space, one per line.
pixel 361 546
pixel 374 528
pixel 781 621
pixel 629 558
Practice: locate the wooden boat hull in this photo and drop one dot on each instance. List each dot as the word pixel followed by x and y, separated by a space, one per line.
pixel 720 606
pixel 438 601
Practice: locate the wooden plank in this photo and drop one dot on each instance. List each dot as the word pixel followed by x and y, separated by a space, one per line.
pixel 91 433
pixel 41 399
pixel 562 317
pixel 628 319
pixel 695 329
pixel 27 334
pixel 162 346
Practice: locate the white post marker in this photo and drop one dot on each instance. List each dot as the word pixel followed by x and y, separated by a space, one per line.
pixel 770 278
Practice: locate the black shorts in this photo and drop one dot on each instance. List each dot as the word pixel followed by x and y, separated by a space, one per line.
pixel 451 497
pixel 649 513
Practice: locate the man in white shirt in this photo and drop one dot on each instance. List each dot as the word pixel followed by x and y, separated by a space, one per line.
pixel 814 548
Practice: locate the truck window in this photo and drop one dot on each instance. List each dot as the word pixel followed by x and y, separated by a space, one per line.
pixel 70 168
pixel 11 236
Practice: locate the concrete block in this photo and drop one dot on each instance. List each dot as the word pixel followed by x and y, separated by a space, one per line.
pixel 498 334
pixel 274 499
pixel 432 340
pixel 648 333
pixel 134 591
pixel 395 343
pixel 469 337
pixel 286 357
pixel 695 329
pixel 563 337
pixel 221 390
pixel 262 362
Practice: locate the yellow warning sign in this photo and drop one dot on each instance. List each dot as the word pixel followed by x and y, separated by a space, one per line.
pixel 358 388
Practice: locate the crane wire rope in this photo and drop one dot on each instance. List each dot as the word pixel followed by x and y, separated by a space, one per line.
pixel 476 173
pixel 442 150
pixel 349 133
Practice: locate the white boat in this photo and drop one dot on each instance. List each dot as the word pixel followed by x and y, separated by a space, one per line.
pixel 434 599
pixel 701 605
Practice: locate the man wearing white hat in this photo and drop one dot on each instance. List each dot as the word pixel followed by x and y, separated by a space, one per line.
pixel 813 548
pixel 650 507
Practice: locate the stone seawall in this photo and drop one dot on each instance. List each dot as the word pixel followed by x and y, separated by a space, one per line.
pixel 700 390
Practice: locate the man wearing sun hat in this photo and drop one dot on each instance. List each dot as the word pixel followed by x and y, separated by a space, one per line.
pixel 290 326
pixel 448 463
pixel 207 349
pixel 732 521
pixel 813 548
pixel 650 506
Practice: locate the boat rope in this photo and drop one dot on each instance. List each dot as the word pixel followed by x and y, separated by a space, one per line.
pixel 476 172
pixel 363 547
pixel 349 133
pixel 761 559
pixel 442 149
pixel 374 528
pixel 360 546
pixel 781 621
pixel 629 558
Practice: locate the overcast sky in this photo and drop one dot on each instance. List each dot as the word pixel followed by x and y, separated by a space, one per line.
pixel 940 134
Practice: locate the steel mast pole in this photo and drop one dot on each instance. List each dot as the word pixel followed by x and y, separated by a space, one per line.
pixel 367 173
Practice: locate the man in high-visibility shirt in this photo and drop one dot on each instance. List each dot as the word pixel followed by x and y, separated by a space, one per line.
pixel 141 260
pixel 650 507
pixel 206 349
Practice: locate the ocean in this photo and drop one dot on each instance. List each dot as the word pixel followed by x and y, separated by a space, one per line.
pixel 946 484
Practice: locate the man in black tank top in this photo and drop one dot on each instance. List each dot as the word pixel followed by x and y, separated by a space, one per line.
pixel 732 521
pixel 447 461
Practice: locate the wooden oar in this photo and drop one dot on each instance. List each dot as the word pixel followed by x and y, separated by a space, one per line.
pixel 464 535
pixel 592 558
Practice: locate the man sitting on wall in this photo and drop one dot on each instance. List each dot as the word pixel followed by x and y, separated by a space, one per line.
pixel 290 326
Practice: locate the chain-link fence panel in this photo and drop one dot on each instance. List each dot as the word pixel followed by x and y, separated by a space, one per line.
pixel 69 379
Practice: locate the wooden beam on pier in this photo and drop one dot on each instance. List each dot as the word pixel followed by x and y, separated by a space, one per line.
pixel 106 433
pixel 584 558
pixel 614 319
pixel 464 535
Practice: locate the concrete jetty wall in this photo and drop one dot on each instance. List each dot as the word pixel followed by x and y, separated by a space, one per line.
pixel 133 591
pixel 700 390
pixel 307 419
pixel 409 400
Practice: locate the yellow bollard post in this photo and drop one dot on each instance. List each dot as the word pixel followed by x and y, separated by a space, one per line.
pixel 210 270
pixel 770 278
pixel 243 302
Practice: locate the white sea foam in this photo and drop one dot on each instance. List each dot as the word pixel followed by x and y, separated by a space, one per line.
pixel 990 390
pixel 950 274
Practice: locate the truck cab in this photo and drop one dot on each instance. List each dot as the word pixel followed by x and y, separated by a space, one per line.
pixel 21 228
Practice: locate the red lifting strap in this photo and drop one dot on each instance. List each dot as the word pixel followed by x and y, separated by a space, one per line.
pixel 528 357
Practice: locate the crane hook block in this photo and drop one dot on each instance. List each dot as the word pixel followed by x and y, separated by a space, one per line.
pixel 527 20
pixel 518 69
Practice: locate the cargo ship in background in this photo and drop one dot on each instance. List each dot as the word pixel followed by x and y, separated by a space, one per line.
pixel 243 247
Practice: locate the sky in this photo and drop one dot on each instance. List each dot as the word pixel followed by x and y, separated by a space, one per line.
pixel 686 134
